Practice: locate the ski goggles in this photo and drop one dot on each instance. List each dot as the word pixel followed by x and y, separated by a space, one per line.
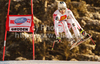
pixel 62 9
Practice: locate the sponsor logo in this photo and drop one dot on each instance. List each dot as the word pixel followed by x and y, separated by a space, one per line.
pixel 19 29
pixel 63 17
pixel 54 14
pixel 19 21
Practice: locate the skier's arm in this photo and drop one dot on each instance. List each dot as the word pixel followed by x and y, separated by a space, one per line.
pixel 56 21
pixel 78 25
pixel 72 16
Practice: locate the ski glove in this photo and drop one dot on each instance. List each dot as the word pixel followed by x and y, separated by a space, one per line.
pixel 82 32
pixel 59 39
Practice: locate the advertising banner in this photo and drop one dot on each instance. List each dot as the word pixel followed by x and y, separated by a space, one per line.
pixel 19 23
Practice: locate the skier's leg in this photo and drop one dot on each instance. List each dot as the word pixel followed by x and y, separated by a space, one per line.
pixel 66 30
pixel 68 33
pixel 57 30
pixel 75 29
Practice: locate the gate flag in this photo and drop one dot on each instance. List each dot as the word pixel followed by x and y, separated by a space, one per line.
pixel 19 23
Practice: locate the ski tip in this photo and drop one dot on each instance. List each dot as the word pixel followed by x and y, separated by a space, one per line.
pixel 70 48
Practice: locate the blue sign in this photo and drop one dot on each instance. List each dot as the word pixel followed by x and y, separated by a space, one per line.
pixel 20 20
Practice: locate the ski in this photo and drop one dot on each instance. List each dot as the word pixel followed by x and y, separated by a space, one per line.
pixel 83 41
pixel 74 45
pixel 79 42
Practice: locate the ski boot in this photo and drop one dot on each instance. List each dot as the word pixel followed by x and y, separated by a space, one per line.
pixel 86 35
pixel 82 31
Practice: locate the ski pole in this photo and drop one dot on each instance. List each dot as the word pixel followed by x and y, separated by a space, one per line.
pixel 53 45
pixel 92 41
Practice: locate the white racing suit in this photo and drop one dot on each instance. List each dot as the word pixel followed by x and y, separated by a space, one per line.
pixel 63 22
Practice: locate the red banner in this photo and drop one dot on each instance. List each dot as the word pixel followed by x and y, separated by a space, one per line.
pixel 20 23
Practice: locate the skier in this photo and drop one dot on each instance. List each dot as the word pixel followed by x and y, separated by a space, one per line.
pixel 64 20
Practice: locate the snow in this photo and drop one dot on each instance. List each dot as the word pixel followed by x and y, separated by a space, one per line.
pixel 48 62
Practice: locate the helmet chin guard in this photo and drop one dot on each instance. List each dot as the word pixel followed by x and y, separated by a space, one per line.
pixel 62 4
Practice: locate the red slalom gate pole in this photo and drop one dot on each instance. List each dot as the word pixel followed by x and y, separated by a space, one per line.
pixel 8 7
pixel 33 47
pixel 5 33
pixel 33 31
pixel 4 44
pixel 32 7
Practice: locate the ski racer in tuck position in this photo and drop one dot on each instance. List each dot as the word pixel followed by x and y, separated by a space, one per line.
pixel 64 20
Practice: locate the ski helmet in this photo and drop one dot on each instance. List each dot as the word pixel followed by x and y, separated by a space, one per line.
pixel 61 5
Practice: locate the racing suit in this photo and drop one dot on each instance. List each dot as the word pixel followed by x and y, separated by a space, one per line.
pixel 63 22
